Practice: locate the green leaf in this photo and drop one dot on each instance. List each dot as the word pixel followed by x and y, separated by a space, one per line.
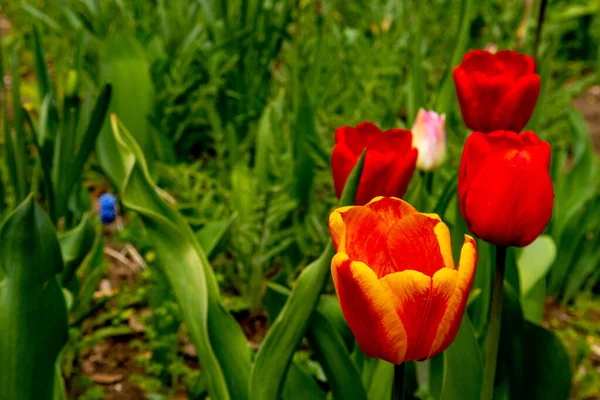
pixel 59 385
pixel 533 302
pixel 528 350
pixel 264 142
pixel 542 103
pixel 218 339
pixel 331 352
pixel 585 264
pixel 125 67
pixel 299 385
pixel 539 355
pixel 447 94
pixel 33 321
pixel 326 334
pixel 305 135
pixel 41 69
pixel 212 233
pixel 448 194
pixel 575 190
pixel 89 137
pixel 273 359
pixel 45 163
pixel 535 261
pixel 378 376
pixel 2 197
pixel 417 90
pixel 463 365
pixel 45 18
pixel 479 310
pixel 19 156
pixel 75 245
pixel 89 274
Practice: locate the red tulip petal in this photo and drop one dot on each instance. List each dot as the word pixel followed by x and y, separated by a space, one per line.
pixel 368 310
pixel 391 209
pixel 375 174
pixel 430 311
pixel 539 149
pixel 401 173
pixel 342 163
pixel 466 92
pixel 509 201
pixel 356 138
pixel 393 140
pixel 478 60
pixel 491 90
pixel 513 64
pixel 411 293
pixel 518 103
pixel 413 244
pixel 448 324
pixel 496 91
pixel 361 233
pixel 442 290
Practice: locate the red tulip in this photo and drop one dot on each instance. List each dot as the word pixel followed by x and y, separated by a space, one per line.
pixel 504 187
pixel 395 278
pixel 389 163
pixel 496 91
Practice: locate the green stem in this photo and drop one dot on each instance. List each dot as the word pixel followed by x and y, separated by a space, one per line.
pixel 538 29
pixel 493 335
pixel 398 392
pixel 428 177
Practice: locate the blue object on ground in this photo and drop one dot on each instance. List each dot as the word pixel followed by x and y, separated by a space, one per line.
pixel 108 208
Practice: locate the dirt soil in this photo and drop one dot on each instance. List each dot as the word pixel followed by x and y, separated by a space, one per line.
pixel 589 105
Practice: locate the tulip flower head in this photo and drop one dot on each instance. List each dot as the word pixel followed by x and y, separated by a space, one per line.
pixel 389 162
pixel 395 278
pixel 429 137
pixel 496 91
pixel 505 191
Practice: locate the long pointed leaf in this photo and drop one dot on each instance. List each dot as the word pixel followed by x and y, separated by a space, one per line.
pixel 124 65
pixel 218 339
pixel 18 144
pixel 75 246
pixel 33 321
pixel 326 339
pixel 90 135
pixel 463 365
pixel 41 69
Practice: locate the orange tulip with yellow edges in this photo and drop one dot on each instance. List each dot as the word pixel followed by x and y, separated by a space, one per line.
pixel 394 275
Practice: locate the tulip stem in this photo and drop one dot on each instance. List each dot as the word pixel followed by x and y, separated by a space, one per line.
pixel 538 29
pixel 398 382
pixel 428 181
pixel 493 335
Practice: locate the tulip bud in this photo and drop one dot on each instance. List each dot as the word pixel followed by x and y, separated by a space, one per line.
pixel 429 137
pixel 491 48
pixel 504 188
pixel 496 91
pixel 389 162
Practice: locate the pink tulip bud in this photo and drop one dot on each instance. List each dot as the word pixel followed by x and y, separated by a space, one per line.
pixel 491 48
pixel 429 137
